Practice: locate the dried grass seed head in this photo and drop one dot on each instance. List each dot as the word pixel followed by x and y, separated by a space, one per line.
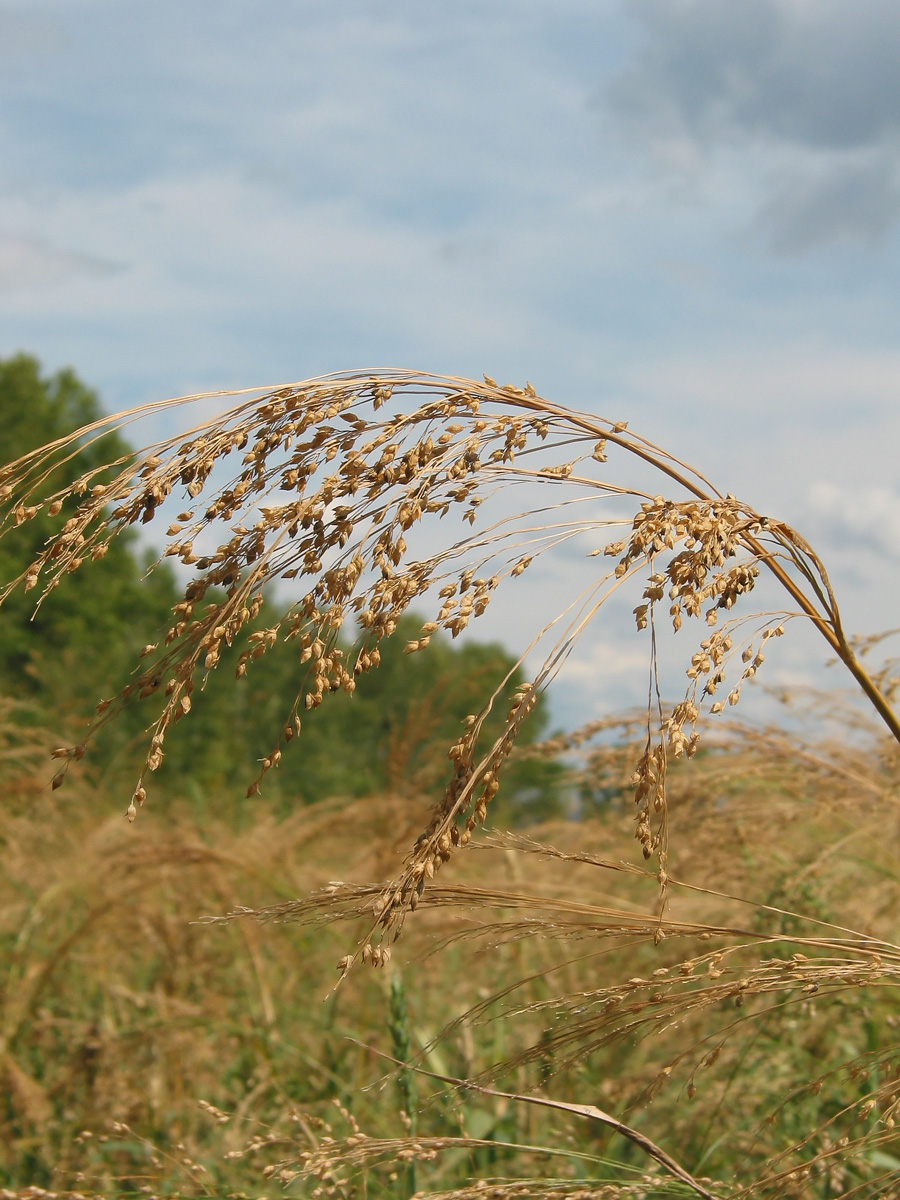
pixel 323 483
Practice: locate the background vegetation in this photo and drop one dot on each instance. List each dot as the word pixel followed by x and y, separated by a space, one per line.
pixel 751 1029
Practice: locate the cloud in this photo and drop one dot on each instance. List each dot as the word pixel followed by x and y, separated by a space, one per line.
pixel 860 516
pixel 29 263
pixel 774 82
pixel 601 671
pixel 821 75
pixel 813 387
pixel 846 201
pixel 27 34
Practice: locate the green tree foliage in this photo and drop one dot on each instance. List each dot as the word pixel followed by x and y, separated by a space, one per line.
pixel 391 735
pixel 85 636
pixel 81 644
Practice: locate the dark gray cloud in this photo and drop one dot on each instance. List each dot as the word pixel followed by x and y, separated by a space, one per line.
pixel 847 201
pixel 816 82
pixel 820 74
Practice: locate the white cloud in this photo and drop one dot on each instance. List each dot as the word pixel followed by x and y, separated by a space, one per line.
pixel 27 263
pixel 604 674
pixel 861 516
pixel 788 381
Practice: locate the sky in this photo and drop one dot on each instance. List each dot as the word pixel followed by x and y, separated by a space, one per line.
pixel 679 213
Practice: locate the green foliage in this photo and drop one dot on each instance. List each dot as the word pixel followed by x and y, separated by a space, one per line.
pixel 84 637
pixel 390 736
pixel 406 1082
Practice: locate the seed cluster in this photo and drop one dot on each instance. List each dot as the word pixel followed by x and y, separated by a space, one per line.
pixel 690 547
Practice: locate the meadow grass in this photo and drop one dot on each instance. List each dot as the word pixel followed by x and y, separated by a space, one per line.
pixel 755 1036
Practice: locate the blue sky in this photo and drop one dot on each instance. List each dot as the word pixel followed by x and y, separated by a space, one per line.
pixel 681 213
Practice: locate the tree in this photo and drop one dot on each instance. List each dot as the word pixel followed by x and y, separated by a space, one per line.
pixel 80 642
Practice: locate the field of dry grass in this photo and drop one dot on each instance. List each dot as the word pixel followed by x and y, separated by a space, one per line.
pixel 753 1026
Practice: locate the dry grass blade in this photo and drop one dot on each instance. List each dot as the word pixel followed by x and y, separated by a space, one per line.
pixel 589 1111
pixel 550 1189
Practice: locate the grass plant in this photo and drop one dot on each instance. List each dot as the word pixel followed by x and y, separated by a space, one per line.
pixel 719 1007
